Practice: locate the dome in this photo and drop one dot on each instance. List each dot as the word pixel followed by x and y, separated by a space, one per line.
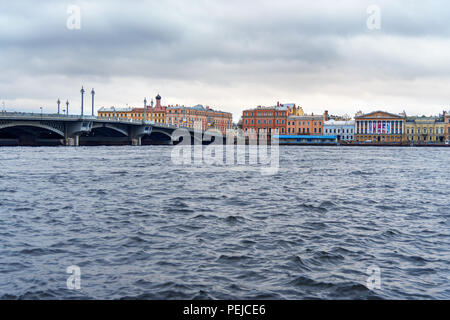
pixel 158 97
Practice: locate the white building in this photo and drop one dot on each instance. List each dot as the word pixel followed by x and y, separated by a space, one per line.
pixel 344 130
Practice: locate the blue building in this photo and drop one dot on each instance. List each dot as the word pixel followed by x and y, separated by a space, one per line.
pixel 343 130
pixel 305 139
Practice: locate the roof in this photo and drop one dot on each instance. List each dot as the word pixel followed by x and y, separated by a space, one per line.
pixel 339 123
pixel 199 107
pixel 303 137
pixel 305 117
pixel 365 115
pixel 280 108
pixel 114 109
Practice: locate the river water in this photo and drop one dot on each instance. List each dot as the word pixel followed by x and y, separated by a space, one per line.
pixel 139 226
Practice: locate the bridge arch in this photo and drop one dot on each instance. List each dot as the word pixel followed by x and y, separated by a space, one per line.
pixel 31 124
pixel 117 129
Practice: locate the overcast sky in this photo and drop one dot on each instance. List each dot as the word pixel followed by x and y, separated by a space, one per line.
pixel 228 54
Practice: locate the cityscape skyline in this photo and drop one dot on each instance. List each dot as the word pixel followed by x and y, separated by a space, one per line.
pixel 229 55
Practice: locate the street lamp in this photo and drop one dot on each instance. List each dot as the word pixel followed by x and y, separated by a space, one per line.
pixel 151 110
pixel 82 94
pixel 92 93
pixel 59 102
pixel 145 109
pixel 67 109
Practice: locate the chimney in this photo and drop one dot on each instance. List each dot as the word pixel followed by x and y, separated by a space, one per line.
pixel 325 115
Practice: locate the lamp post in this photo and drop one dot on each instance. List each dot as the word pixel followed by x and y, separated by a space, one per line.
pixel 82 95
pixel 67 109
pixel 145 109
pixel 59 102
pixel 151 110
pixel 92 93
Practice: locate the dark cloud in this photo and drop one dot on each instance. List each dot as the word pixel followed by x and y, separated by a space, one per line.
pixel 233 54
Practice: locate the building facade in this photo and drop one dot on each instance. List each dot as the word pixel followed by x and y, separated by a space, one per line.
pixel 115 113
pixel 208 118
pixel 425 130
pixel 159 114
pixel 447 125
pixel 379 127
pixel 268 119
pixel 306 124
pixel 179 116
pixel 343 130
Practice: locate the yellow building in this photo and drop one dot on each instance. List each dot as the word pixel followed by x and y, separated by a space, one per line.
pixel 447 126
pixel 425 130
pixel 293 110
pixel 159 114
pixel 114 113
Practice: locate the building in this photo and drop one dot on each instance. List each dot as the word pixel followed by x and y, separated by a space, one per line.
pixel 152 113
pixel 159 114
pixel 447 125
pixel 425 130
pixel 306 124
pixel 343 130
pixel 293 110
pixel 265 118
pixel 379 127
pixel 114 113
pixel 306 140
pixel 182 116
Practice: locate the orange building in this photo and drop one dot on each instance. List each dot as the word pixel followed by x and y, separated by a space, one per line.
pixel 379 127
pixel 306 125
pixel 265 118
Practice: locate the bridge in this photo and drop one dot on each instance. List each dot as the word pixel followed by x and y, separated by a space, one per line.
pixel 37 129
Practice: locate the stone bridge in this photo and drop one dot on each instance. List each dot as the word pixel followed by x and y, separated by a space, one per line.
pixel 57 129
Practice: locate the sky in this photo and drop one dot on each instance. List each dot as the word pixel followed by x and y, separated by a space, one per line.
pixel 342 55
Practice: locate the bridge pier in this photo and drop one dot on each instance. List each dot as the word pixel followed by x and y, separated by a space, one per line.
pixel 72 141
pixel 136 141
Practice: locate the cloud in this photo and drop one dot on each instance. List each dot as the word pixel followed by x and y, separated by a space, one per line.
pixel 228 54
